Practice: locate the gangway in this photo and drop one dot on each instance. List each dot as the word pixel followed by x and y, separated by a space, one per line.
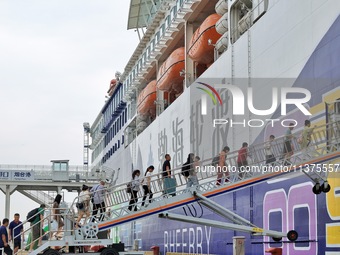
pixel 324 149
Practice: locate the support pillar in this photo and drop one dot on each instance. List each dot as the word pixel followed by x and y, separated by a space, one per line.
pixel 8 201
pixel 189 63
pixel 8 190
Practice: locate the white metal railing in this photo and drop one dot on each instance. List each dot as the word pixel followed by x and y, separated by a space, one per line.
pixel 42 172
pixel 39 196
pixel 47 230
pixel 324 141
pixel 169 25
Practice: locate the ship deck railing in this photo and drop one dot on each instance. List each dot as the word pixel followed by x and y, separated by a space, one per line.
pixel 324 148
pixel 325 140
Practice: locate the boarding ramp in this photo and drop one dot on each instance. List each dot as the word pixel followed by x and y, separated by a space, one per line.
pixel 323 149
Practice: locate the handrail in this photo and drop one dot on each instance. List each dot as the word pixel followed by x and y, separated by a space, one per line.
pixel 47 220
pixel 321 140
pixel 324 141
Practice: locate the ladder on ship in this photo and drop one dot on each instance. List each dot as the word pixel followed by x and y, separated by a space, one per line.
pixel 324 149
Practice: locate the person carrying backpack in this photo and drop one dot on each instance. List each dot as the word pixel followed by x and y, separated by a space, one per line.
pixel 36 226
pixel 188 165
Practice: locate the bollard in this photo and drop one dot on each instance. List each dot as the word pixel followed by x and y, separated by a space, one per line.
pixel 238 245
pixel 155 250
pixel 274 251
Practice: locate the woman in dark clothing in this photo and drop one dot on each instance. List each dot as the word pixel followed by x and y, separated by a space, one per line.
pixel 147 184
pixel 56 213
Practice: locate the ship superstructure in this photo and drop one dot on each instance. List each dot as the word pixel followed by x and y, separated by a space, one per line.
pixel 155 108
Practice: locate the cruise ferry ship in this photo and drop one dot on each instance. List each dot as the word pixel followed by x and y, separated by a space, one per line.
pixel 201 78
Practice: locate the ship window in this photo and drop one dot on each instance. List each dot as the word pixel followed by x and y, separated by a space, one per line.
pixel 148 52
pixel 152 45
pixel 122 139
pixel 157 38
pixel 244 14
pixel 144 58
pixel 167 21
pixel 162 30
pixel 173 13
pixel 179 4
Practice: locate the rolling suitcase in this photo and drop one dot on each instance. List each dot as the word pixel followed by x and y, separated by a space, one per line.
pixel 170 186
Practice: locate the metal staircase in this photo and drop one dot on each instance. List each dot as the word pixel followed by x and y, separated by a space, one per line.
pixel 324 149
pixel 38 196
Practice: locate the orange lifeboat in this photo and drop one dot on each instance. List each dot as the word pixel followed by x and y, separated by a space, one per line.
pixel 199 48
pixel 169 77
pixel 113 84
pixel 146 99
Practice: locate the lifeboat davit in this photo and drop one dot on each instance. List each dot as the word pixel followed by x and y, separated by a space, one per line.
pixel 146 99
pixel 169 77
pixel 199 49
pixel 113 84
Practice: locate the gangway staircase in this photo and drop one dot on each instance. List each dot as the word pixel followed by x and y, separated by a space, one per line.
pixel 38 196
pixel 324 149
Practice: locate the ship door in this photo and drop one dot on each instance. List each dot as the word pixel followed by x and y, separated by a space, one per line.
pixel 60 170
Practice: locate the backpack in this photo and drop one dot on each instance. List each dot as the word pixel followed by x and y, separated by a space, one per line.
pixel 185 169
pixel 215 160
pixel 129 187
pixel 30 215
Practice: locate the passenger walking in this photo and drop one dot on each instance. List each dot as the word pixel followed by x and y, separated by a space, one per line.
pixel 169 184
pixel 147 184
pixel 288 147
pixel 192 178
pixel 306 139
pixel 36 226
pixel 270 158
pixel 242 161
pixel 221 168
pixel 15 232
pixel 167 167
pixel 4 237
pixel 135 187
pixel 84 204
pixel 187 165
pixel 98 193
pixel 57 215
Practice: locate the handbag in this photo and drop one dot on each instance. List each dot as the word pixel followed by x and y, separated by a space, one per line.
pixel 80 205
